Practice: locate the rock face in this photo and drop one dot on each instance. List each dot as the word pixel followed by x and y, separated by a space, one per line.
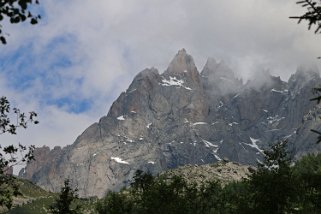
pixel 182 117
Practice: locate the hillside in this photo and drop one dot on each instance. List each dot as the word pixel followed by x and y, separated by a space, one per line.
pixel 35 200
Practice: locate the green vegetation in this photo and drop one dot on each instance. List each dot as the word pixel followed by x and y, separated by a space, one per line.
pixel 35 200
pixel 275 187
pixel 65 203
pixel 9 155
pixel 31 199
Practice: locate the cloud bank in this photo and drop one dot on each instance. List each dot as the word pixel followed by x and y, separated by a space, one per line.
pixel 71 66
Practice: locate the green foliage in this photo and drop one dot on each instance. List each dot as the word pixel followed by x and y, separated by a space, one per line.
pixel 115 203
pixel 312 15
pixel 8 189
pixel 274 187
pixel 35 200
pixel 17 11
pixel 237 198
pixel 30 190
pixel 162 194
pixel 12 155
pixel 21 119
pixel 36 206
pixel 308 171
pixel 64 204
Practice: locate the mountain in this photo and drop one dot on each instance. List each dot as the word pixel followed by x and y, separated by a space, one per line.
pixel 181 117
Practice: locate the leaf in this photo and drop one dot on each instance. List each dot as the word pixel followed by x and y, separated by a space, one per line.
pixel 3 40
pixel 33 21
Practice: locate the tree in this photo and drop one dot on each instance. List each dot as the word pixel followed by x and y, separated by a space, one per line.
pixel 273 184
pixel 308 171
pixel 16 11
pixel 65 203
pixel 9 155
pixel 313 17
pixel 115 203
pixel 142 180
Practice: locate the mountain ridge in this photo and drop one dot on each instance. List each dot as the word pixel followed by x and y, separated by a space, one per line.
pixel 181 117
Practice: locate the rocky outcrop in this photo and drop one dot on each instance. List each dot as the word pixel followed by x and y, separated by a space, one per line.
pixel 182 117
pixel 222 171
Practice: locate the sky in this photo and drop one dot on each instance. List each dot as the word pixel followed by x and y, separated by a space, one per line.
pixel 71 66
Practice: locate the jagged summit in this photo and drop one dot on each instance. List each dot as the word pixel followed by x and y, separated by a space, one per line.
pixel 217 69
pixel 219 78
pixel 305 73
pixel 264 79
pixel 181 63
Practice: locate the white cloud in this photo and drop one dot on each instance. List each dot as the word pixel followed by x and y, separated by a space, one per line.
pixel 108 42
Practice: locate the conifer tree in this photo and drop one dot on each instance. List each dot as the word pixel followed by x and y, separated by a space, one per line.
pixel 65 203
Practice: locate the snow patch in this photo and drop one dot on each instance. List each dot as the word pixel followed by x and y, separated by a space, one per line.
pixel 217 157
pixel 131 91
pixel 278 91
pixel 272 130
pixel 173 81
pixel 119 160
pixel 199 123
pixel 236 96
pixel 290 135
pixel 94 155
pixel 274 119
pixel 220 105
pixel 233 123
pixel 151 162
pixel 134 112
pixel 254 140
pixel 121 117
pixel 254 145
pixel 215 150
pixel 148 125
pixel 208 144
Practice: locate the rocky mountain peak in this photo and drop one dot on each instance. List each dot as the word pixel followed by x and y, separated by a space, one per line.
pixel 304 77
pixel 182 63
pixel 219 78
pixel 218 68
pixel 304 74
pixel 180 117
pixel 264 80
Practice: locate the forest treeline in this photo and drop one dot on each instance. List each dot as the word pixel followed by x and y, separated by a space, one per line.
pixel 278 185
